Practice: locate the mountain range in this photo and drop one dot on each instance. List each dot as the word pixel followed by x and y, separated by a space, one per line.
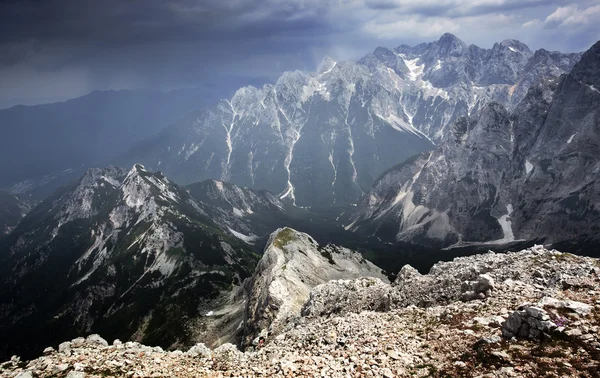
pixel 413 154
pixel 323 138
pixel 498 176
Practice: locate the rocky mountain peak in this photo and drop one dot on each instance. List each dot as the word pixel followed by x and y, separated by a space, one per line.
pixel 292 264
pixel 110 174
pixel 587 70
pixel 450 45
pixel 84 200
pixel 516 46
pixel 326 65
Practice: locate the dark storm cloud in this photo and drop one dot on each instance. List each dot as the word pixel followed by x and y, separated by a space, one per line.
pixel 114 22
pixel 457 8
pixel 54 49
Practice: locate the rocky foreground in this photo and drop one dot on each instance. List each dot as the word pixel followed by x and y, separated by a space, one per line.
pixel 532 313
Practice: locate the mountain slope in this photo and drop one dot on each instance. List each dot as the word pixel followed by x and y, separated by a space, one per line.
pixel 12 210
pixel 118 247
pixel 322 138
pixel 313 138
pixel 499 177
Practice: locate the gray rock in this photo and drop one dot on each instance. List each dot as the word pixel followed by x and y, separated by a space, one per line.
pixel 479 289
pixel 407 273
pixel 485 284
pixel 77 342
pixel 527 323
pixel 96 340
pixel 576 307
pixel 291 266
pixel 490 340
pixel 345 296
pixel 65 348
pixel 501 355
pixel 48 351
pixel 24 374
pixel 76 374
pixel 199 350
pixel 537 313
pixel 59 368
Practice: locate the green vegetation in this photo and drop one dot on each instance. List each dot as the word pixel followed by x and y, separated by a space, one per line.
pixel 284 237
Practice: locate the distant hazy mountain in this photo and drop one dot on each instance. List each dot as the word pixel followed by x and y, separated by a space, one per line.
pixel 43 140
pixel 323 138
pixel 499 177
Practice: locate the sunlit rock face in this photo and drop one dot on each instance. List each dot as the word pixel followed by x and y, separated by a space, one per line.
pixel 498 177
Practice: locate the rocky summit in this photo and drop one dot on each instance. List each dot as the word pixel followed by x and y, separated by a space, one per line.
pixel 530 313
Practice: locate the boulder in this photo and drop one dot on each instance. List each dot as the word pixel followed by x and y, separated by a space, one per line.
pixel 76 374
pixel 96 340
pixel 405 274
pixel 24 374
pixel 573 306
pixel 528 322
pixel 48 351
pixel 479 289
pixel 199 350
pixel 65 348
pixel 77 342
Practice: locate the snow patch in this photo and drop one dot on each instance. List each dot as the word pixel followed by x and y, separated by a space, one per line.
pixel 571 138
pixel 333 167
pixel 512 49
pixel 594 89
pixel 401 125
pixel 191 151
pixel 528 167
pixel 415 71
pixel 245 238
pixel 329 70
pixel 506 225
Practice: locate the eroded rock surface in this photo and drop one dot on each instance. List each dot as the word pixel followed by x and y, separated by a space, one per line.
pixel 426 330
pixel 292 265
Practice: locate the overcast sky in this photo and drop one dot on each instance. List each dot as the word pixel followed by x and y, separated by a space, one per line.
pixel 57 49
